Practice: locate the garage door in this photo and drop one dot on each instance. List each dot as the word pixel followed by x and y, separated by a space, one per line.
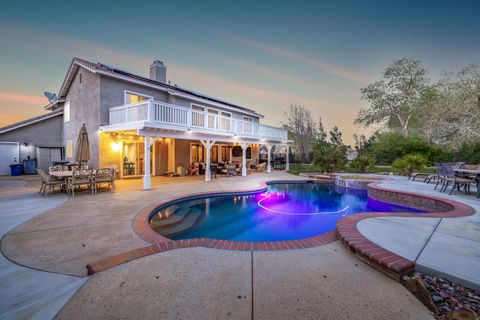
pixel 9 154
pixel 46 156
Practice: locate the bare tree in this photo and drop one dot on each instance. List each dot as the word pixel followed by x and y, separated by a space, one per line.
pixel 302 130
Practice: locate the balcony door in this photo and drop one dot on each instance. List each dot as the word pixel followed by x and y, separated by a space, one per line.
pixel 212 115
pixel 225 120
pixel 247 125
pixel 198 116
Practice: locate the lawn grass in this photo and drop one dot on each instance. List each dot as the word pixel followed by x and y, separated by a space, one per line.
pixel 304 168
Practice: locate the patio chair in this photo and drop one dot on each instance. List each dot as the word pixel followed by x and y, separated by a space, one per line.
pixel 48 182
pixel 239 169
pixel 456 181
pixel 433 176
pixel 441 177
pixel 213 170
pixel 80 178
pixel 414 175
pixel 104 176
pixel 261 167
pixel 201 168
pixel 230 170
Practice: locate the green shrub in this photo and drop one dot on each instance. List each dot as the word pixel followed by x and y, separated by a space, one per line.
pixel 387 147
pixel 410 163
pixel 468 152
pixel 362 163
pixel 303 168
pixel 328 157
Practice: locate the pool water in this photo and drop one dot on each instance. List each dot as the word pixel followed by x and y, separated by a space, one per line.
pixel 286 211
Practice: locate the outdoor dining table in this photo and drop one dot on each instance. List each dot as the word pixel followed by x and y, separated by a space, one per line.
pixel 472 172
pixel 61 174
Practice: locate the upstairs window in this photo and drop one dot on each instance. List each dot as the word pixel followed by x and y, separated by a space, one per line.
pixel 197 107
pixel 66 112
pixel 133 97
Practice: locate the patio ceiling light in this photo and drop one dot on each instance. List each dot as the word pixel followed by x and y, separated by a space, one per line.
pixel 115 146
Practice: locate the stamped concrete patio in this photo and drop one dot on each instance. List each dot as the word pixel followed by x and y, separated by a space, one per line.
pixel 322 282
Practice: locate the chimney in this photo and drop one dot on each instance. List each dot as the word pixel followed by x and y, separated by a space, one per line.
pixel 158 71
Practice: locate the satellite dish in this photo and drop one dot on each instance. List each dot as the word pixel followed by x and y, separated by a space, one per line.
pixel 52 97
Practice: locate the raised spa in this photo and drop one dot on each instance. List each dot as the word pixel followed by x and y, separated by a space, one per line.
pixel 286 211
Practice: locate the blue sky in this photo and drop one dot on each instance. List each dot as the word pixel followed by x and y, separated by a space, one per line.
pixel 261 55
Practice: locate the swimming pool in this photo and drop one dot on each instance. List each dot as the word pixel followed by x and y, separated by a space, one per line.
pixel 286 211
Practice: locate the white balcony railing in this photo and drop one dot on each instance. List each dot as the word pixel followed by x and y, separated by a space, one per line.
pixel 156 112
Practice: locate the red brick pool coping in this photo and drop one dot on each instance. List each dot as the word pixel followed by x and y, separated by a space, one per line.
pixel 383 260
pixel 160 244
pixel 374 255
pixel 211 243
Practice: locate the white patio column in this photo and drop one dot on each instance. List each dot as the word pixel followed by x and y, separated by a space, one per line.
pixel 287 164
pixel 146 164
pixel 269 164
pixel 208 146
pixel 244 146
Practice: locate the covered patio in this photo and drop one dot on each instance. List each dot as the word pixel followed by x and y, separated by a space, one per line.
pixel 150 152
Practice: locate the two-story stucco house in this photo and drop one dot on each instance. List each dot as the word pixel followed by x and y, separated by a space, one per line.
pixel 145 126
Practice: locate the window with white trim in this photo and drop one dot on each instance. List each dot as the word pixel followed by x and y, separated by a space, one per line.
pixel 134 97
pixel 66 112
pixel 197 107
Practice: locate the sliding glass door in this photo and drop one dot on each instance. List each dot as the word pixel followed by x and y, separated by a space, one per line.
pixel 133 153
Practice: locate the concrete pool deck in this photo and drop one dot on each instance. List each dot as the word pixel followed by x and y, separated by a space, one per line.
pixel 89 228
pixel 202 283
pixel 448 247
pixel 28 293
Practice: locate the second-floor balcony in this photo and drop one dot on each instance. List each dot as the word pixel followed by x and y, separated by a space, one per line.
pixel 170 116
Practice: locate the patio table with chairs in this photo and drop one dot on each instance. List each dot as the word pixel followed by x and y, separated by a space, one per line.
pixel 454 174
pixel 71 180
pixel 470 173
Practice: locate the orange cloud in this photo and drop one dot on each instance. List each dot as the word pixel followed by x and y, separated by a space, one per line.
pixel 332 69
pixel 23 98
pixel 8 119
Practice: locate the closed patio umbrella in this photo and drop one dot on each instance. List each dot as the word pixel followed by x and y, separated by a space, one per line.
pixel 82 151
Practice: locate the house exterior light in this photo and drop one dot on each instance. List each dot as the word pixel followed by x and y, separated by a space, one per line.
pixel 115 146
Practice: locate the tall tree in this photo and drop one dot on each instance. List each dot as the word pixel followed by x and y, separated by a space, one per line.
pixel 361 143
pixel 397 97
pixel 302 130
pixel 453 117
pixel 322 134
pixel 336 137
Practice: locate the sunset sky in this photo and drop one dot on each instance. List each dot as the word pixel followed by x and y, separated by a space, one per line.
pixel 262 56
